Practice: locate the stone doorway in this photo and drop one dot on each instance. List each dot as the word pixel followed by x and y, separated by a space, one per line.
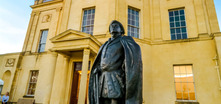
pixel 76 82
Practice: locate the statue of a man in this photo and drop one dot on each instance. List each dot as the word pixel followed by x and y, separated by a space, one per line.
pixel 116 75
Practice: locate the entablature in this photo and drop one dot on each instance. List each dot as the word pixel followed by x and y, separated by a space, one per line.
pixel 40 3
pixel 72 40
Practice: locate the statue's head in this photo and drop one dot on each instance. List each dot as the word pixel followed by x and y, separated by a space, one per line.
pixel 116 28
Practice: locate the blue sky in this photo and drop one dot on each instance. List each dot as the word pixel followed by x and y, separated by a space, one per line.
pixel 14 19
pixel 218 10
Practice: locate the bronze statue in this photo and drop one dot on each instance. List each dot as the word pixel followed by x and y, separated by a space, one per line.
pixel 116 75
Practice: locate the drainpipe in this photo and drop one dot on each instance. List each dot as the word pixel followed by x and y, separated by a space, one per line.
pixel 216 58
pixel 217 68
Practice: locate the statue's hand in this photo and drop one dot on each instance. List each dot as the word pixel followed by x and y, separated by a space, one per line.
pixel 96 70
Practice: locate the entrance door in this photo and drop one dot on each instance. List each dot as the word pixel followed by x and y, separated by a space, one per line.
pixel 76 82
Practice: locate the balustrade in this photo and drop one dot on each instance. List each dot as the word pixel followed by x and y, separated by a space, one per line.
pixel 41 1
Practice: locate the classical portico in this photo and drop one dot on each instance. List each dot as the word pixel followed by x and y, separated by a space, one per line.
pixel 72 46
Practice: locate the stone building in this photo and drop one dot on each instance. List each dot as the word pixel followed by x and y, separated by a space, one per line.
pixel 180 42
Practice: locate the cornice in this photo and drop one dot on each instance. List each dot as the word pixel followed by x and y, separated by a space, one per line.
pixel 27 53
pixel 143 41
pixel 6 54
pixel 161 42
pixel 181 40
pixel 201 37
pixel 217 34
pixel 102 36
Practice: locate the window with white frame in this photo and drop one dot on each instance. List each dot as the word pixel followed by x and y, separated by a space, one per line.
pixel 184 82
pixel 177 24
pixel 133 28
pixel 32 82
pixel 42 42
pixel 88 21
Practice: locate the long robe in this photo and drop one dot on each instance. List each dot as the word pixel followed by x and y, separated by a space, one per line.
pixel 133 72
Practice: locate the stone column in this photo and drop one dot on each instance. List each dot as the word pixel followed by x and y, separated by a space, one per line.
pixel 59 81
pixel 213 21
pixel 58 14
pixel 64 82
pixel 157 30
pixel 36 2
pixel 200 16
pixel 28 31
pixel 65 15
pixel 83 84
pixel 33 31
pixel 50 77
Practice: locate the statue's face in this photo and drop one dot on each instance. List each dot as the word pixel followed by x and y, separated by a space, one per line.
pixel 115 29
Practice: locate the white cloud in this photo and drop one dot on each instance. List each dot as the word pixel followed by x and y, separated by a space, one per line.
pixel 11 34
pixel 8 28
pixel 5 11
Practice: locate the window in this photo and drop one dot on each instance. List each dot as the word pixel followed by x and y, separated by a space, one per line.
pixel 133 23
pixel 41 47
pixel 32 82
pixel 88 21
pixel 177 24
pixel 184 82
pixel 46 0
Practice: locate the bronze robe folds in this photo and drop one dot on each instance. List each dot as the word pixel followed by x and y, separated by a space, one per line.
pixel 131 70
pixel 111 78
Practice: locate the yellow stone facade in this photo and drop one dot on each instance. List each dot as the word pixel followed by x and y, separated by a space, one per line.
pixel 66 44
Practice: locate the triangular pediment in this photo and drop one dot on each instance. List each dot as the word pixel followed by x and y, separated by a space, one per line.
pixel 70 35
